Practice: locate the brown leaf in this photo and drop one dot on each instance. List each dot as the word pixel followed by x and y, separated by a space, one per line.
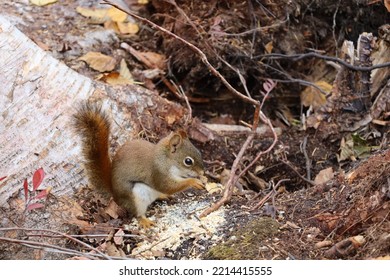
pixel 118 237
pixel 114 251
pixel 269 47
pixel 112 209
pixel 324 176
pixel 150 59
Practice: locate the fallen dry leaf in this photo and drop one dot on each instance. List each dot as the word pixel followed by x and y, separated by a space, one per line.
pixel 112 18
pixel 42 2
pixel 269 47
pixel 128 27
pixel 113 250
pixel 116 15
pixel 112 209
pixel 324 176
pixel 124 76
pixel 150 59
pixel 112 25
pixel 118 237
pixel 214 188
pixel 99 61
pixel 313 97
pixel 97 16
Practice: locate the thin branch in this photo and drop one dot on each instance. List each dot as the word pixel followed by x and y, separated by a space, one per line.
pixel 296 172
pixel 269 195
pixel 307 159
pixel 41 245
pixel 60 234
pixel 233 178
pixel 295 57
pixel 294 80
pixel 334 25
pixel 247 32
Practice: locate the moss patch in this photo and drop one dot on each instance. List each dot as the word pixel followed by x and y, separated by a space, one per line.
pixel 245 242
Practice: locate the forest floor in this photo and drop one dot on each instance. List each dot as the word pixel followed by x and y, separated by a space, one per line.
pixel 316 195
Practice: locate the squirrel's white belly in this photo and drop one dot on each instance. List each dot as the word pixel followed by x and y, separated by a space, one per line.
pixel 144 196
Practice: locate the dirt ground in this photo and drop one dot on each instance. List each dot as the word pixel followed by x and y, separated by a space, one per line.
pixel 302 200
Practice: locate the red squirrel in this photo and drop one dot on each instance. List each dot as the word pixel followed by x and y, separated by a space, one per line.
pixel 140 172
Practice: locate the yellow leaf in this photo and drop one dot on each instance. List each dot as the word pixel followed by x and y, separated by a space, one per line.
pixel 143 2
pixel 111 25
pixel 214 188
pixel 313 97
pixel 42 2
pixel 128 27
pixel 116 15
pixel 124 71
pixel 96 15
pixel 99 61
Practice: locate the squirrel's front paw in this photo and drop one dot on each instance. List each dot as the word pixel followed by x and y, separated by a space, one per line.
pixel 145 222
pixel 198 184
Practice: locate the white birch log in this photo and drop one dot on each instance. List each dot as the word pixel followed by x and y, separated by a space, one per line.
pixel 38 95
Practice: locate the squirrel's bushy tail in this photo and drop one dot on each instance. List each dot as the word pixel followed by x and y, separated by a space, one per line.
pixel 94 127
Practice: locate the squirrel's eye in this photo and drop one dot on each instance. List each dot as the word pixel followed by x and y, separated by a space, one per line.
pixel 188 161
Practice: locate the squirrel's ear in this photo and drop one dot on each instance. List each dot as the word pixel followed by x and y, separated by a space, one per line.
pixel 175 141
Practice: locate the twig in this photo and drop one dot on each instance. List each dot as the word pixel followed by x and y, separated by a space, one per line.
pixel 53 248
pixel 299 175
pixel 61 234
pixel 41 245
pixel 180 10
pixel 180 91
pixel 307 159
pixel 233 178
pixel 294 80
pixel 263 28
pixel 334 25
pixel 325 57
pixel 269 195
